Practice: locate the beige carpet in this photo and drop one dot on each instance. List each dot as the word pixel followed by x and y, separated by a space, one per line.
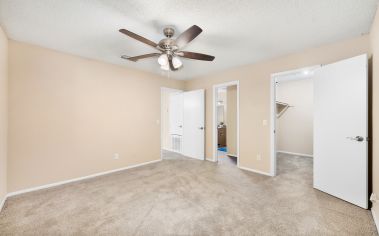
pixel 180 196
pixel 224 159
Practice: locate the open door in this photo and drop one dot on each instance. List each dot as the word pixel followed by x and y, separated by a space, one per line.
pixel 193 124
pixel 176 114
pixel 176 121
pixel 341 130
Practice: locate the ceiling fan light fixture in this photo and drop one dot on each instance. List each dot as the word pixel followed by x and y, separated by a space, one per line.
pixel 169 49
pixel 176 62
pixel 163 60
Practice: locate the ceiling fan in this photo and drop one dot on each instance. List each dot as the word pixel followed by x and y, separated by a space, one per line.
pixel 169 48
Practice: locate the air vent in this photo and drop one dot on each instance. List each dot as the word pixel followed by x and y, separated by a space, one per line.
pixel 176 141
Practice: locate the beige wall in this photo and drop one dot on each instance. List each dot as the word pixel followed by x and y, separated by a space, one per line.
pixel 294 131
pixel 3 113
pixel 69 115
pixel 255 95
pixel 231 120
pixel 375 91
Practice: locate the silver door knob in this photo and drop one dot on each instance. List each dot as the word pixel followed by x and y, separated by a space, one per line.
pixel 356 138
pixel 201 128
pixel 180 126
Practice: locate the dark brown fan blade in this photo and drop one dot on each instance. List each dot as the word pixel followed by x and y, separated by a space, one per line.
pixel 188 35
pixel 196 56
pixel 171 64
pixel 139 38
pixel 136 58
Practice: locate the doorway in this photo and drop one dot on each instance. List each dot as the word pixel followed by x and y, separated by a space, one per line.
pixel 182 126
pixel 340 127
pixel 293 118
pixel 226 123
pixel 171 123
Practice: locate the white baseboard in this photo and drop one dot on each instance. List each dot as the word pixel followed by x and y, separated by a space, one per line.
pixel 255 171
pixel 169 150
pixel 295 153
pixel 78 179
pixel 3 202
pixel 375 220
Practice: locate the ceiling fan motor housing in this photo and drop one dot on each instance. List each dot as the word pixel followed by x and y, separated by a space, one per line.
pixel 167 44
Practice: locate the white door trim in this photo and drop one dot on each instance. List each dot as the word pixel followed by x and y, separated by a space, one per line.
pixel 280 77
pixel 161 115
pixel 214 122
pixel 375 219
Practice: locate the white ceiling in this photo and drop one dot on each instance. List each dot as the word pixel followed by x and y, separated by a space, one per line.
pixel 236 32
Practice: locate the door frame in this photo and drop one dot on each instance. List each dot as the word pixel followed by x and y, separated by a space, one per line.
pixel 214 121
pixel 275 78
pixel 164 89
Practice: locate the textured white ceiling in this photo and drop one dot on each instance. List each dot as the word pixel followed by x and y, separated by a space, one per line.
pixel 236 32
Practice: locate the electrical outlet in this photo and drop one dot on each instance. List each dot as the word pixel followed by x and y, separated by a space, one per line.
pixel 116 156
pixel 259 157
pixel 264 122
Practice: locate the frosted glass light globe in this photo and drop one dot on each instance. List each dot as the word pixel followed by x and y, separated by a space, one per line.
pixel 163 60
pixel 176 62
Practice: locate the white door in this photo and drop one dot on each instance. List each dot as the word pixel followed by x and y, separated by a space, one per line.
pixel 176 114
pixel 341 129
pixel 193 124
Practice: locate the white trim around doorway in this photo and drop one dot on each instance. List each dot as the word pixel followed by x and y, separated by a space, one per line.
pixel 297 74
pixel 214 122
